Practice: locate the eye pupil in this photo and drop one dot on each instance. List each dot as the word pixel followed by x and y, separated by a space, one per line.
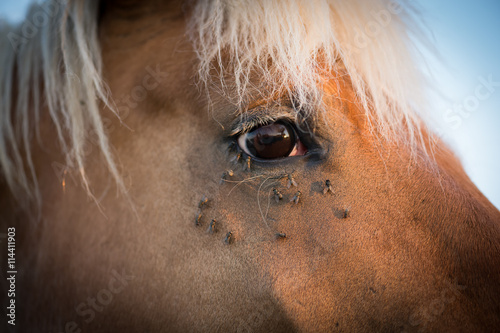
pixel 271 141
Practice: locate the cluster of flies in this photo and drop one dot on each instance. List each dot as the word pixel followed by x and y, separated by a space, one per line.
pixel 277 194
pixel 212 226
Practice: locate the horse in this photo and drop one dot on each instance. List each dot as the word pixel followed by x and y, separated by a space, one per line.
pixel 233 166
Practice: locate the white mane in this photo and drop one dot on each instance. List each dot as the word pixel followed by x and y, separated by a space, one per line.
pixel 290 44
pixel 56 67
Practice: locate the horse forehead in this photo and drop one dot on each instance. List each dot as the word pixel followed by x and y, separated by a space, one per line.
pixel 145 47
pixel 156 33
pixel 141 21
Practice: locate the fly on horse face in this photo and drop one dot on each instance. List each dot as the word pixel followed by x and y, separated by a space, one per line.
pixel 233 166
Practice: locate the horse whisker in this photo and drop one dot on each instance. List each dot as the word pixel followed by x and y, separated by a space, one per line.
pixel 264 217
pixel 239 182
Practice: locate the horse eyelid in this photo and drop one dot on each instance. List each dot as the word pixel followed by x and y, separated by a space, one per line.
pixel 245 123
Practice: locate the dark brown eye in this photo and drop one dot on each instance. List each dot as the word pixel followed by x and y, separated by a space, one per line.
pixel 276 140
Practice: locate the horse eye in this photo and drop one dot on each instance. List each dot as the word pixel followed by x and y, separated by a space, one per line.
pixel 273 141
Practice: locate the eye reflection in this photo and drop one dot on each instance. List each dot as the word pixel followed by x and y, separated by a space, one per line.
pixel 273 141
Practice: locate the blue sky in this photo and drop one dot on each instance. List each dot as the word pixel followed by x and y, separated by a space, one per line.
pixel 467 35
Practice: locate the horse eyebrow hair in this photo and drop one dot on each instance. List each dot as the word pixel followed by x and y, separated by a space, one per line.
pixel 262 115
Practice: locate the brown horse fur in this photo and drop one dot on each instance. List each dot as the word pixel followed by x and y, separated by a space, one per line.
pixel 404 243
